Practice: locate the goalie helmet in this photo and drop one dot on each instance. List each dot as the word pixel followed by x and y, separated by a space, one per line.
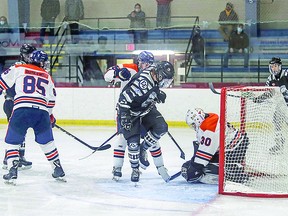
pixel 25 51
pixel 164 74
pixel 275 66
pixel 194 118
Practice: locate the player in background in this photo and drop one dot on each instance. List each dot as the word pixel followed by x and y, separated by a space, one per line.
pixel 33 105
pixel 277 77
pixel 137 108
pixel 203 166
pixel 25 52
pixel 121 74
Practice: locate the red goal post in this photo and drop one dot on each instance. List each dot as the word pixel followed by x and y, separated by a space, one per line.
pixel 260 117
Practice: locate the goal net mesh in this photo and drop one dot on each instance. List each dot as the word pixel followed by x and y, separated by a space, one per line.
pixel 255 153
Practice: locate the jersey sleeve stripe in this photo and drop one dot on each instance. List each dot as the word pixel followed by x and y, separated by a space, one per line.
pixel 3 84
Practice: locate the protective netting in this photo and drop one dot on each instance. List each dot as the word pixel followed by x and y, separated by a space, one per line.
pixel 257 162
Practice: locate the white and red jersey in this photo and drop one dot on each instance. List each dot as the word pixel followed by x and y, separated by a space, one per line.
pixel 208 137
pixel 34 87
pixel 109 75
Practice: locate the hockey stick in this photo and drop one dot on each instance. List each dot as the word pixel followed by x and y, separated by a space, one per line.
pixel 182 154
pixel 216 92
pixel 99 148
pixel 176 175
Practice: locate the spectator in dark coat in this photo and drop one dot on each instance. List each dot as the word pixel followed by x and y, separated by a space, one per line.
pixel 238 43
pixel 227 20
pixel 163 13
pixel 74 11
pixel 198 46
pixel 137 20
pixel 4 26
pixel 50 9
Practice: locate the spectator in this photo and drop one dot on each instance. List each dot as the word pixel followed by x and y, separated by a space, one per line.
pixel 2 59
pixel 102 43
pixel 137 18
pixel 227 20
pixel 50 9
pixel 4 26
pixel 163 13
pixel 74 11
pixel 238 43
pixel 198 46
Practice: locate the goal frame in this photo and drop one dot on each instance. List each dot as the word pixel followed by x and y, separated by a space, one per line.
pixel 223 97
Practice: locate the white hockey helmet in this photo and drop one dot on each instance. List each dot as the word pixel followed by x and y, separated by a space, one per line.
pixel 195 117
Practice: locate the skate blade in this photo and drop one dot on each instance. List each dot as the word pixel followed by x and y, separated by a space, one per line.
pixel 61 179
pixel 10 182
pixel 143 166
pixel 116 178
pixel 24 167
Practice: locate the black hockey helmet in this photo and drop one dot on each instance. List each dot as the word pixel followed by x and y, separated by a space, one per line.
pixel 275 66
pixel 164 73
pixel 25 51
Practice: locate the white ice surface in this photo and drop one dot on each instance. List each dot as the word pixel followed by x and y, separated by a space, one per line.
pixel 90 191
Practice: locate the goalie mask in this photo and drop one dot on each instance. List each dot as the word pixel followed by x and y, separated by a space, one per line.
pixel 164 71
pixel 194 118
pixel 275 66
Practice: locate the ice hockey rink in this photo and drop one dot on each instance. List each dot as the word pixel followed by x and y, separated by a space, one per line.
pixel 90 190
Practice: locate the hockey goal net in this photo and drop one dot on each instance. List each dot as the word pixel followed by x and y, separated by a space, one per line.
pixel 257 165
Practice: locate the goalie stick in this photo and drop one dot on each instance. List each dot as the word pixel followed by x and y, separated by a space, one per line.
pixel 99 148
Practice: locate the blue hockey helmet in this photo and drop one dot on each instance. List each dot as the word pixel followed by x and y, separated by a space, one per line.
pixel 146 57
pixel 40 58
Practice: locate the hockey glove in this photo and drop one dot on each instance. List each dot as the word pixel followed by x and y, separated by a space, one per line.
pixel 125 121
pixel 161 97
pixel 116 71
pixel 124 74
pixel 52 120
pixel 192 171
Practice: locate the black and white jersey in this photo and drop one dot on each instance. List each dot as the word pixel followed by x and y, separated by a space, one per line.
pixel 282 79
pixel 139 95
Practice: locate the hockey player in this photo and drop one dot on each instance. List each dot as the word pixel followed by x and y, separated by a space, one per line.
pixel 33 104
pixel 203 166
pixel 121 74
pixel 25 51
pixel 277 77
pixel 137 108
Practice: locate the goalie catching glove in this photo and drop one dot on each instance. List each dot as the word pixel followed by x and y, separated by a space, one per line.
pixel 192 171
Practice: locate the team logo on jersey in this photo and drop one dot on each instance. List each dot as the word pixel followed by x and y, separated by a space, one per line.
pixel 143 84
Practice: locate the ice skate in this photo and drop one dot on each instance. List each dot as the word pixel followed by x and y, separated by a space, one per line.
pixel 58 173
pixel 135 175
pixel 117 174
pixel 162 171
pixel 24 164
pixel 11 176
pixel 143 158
